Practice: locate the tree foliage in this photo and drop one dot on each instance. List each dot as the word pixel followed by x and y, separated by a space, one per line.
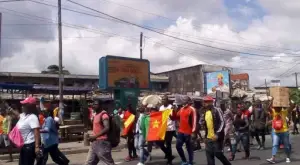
pixel 295 95
pixel 54 69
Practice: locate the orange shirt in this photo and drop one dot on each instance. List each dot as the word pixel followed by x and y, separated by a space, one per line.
pixel 41 119
pixel 187 120
pixel 1 124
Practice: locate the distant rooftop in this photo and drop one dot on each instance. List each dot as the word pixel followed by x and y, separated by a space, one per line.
pixel 155 78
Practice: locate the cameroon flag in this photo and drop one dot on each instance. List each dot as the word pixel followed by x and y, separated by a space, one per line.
pixel 128 122
pixel 154 126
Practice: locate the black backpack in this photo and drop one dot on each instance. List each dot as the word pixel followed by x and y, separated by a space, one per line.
pixel 113 135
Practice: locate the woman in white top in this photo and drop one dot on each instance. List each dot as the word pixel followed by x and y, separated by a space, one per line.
pixel 29 128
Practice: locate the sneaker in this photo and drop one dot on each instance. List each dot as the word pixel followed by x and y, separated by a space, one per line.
pixel 128 159
pixel 148 159
pixel 288 160
pixel 271 160
pixel 140 163
pixel 231 158
pixel 184 163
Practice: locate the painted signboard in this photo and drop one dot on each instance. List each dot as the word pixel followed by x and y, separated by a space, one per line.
pixel 120 72
pixel 217 81
pixel 240 81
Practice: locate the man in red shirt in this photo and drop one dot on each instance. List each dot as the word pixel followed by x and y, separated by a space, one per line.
pixel 187 126
pixel 100 149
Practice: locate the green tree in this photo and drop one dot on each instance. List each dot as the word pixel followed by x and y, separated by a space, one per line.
pixel 295 95
pixel 54 69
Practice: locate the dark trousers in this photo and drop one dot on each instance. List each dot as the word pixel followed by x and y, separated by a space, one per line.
pixel 295 129
pixel 228 142
pixel 196 141
pixel 162 146
pixel 130 145
pixel 262 133
pixel 245 139
pixel 187 140
pixel 215 149
pixel 168 140
pixel 27 154
pixel 57 156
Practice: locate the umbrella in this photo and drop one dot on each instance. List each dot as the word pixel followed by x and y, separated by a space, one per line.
pixel 152 101
pixel 181 99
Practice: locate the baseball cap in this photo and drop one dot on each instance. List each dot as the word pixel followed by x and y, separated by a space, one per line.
pixel 208 98
pixel 29 100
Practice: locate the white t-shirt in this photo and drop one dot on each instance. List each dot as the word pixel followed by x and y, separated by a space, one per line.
pixel 171 123
pixel 26 126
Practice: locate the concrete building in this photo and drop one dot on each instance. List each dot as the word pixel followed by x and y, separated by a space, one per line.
pixel 88 82
pixel 190 79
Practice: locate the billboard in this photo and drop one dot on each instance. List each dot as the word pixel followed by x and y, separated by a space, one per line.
pixel 275 83
pixel 217 81
pixel 120 72
pixel 240 81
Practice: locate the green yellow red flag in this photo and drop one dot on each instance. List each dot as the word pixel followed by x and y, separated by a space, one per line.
pixel 156 125
pixel 128 123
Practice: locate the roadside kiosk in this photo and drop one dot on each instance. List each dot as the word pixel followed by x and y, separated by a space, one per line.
pixel 124 77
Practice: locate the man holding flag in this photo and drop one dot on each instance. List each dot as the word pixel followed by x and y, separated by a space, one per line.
pixel 154 125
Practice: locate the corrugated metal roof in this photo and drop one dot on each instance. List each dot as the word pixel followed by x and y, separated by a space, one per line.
pixel 71 76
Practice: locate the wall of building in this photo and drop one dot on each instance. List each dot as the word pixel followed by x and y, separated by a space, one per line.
pixel 48 81
pixel 74 82
pixel 190 79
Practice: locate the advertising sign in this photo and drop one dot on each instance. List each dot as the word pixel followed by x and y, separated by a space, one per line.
pixel 217 81
pixel 240 81
pixel 275 83
pixel 120 72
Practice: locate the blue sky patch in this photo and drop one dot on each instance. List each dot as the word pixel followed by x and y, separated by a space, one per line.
pixel 244 11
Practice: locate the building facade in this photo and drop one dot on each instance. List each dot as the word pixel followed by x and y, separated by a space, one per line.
pixel 189 80
pixel 159 83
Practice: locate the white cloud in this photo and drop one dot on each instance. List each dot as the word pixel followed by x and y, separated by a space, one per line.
pixel 204 22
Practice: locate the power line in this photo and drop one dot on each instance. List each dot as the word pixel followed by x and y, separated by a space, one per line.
pixel 26 24
pixel 176 33
pixel 173 20
pixel 212 53
pixel 88 29
pixel 3 1
pixel 68 25
pixel 174 37
pixel 93 30
pixel 180 53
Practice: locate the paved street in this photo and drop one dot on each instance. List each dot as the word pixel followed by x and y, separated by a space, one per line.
pixel 257 158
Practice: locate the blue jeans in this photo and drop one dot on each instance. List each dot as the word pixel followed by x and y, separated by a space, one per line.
pixel 139 142
pixel 187 139
pixel 285 137
pixel 244 138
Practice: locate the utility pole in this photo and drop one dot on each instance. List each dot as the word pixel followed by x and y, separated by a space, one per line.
pixel 267 91
pixel 141 45
pixel 60 62
pixel 296 78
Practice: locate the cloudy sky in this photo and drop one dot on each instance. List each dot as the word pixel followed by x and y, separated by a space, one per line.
pixel 254 36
